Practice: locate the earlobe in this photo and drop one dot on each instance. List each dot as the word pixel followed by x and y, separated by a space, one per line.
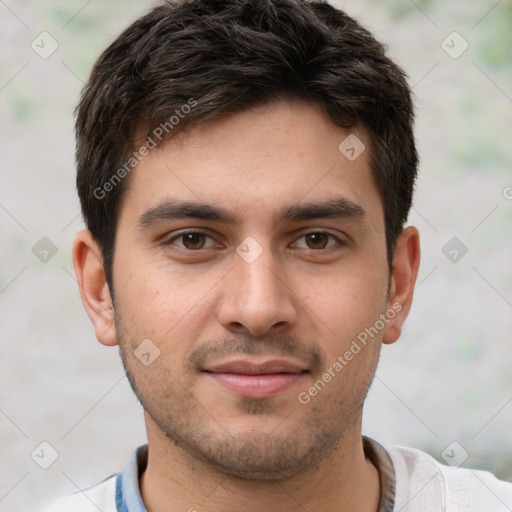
pixel 88 263
pixel 406 263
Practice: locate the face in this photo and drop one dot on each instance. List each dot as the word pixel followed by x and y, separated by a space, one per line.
pixel 250 263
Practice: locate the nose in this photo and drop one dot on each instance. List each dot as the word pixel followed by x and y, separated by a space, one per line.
pixel 256 298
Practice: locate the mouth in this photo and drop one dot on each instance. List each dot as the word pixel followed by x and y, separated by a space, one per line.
pixel 256 380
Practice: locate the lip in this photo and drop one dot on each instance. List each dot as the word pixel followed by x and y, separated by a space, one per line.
pixel 256 380
pixel 247 367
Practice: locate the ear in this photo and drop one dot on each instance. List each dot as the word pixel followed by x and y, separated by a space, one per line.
pixel 88 263
pixel 406 262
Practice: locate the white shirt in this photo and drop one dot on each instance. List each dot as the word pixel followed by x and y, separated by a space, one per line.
pixel 411 481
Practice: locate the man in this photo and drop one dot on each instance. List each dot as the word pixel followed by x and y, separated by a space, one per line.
pixel 245 171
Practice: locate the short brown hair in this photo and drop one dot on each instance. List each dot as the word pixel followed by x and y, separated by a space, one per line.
pixel 223 56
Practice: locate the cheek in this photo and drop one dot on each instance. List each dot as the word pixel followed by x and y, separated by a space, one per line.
pixel 158 302
pixel 345 306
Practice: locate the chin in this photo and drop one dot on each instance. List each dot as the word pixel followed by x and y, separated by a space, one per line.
pixel 262 454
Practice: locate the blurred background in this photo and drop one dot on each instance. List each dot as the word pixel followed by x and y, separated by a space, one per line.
pixel 445 387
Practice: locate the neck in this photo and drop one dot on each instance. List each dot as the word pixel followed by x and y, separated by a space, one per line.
pixel 175 480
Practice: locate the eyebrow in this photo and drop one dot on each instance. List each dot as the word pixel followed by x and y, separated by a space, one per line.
pixel 170 210
pixel 338 208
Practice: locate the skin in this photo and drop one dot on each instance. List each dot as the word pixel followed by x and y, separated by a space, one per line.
pixel 304 299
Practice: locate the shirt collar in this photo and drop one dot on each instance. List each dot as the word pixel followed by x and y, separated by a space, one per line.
pixel 379 457
pixel 128 498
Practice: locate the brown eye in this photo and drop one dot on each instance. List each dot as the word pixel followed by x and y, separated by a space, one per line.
pixel 317 240
pixel 193 240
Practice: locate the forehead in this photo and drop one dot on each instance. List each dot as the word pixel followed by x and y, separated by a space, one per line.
pixel 256 162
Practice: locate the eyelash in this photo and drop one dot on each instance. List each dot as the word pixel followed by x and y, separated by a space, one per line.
pixel 185 233
pixel 193 232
